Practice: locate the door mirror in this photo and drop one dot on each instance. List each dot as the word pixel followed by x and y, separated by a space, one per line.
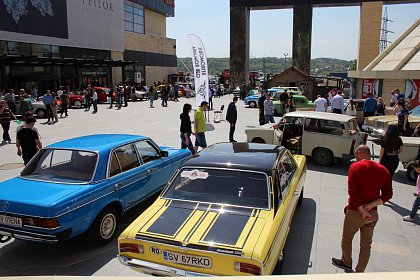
pixel 164 154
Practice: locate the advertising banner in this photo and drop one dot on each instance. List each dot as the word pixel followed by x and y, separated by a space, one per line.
pixel 368 87
pixel 201 75
pixel 415 92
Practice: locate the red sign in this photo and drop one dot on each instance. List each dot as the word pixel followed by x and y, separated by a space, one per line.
pixel 170 2
pixel 368 87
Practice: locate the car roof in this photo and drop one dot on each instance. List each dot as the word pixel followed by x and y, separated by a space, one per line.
pixel 240 156
pixel 96 142
pixel 320 115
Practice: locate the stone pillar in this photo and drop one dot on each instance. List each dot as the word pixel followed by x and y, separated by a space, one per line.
pixel 370 33
pixel 302 37
pixel 117 72
pixel 239 46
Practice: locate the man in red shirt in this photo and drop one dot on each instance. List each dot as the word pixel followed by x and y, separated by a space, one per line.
pixel 369 185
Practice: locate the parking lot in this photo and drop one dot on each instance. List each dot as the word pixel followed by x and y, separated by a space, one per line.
pixel 315 234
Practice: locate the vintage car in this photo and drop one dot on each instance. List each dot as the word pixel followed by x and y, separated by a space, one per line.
pixel 324 136
pixel 377 125
pixel 76 100
pixel 103 94
pixel 227 211
pixel 294 90
pixel 83 185
pixel 302 104
pixel 252 101
pixel 410 153
pixel 138 94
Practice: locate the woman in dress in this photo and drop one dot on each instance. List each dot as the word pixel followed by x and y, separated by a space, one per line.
pixel 403 124
pixel 185 128
pixel 391 147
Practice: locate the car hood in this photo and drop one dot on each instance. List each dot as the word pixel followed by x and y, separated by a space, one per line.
pixel 200 225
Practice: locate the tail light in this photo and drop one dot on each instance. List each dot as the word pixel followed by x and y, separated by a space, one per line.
pixel 131 248
pixel 247 268
pixel 365 138
pixel 41 223
pixel 353 143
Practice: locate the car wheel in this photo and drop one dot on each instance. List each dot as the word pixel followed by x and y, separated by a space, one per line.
pixel 323 157
pixel 411 173
pixel 78 104
pixel 278 269
pixel 258 140
pixel 41 113
pixel 104 226
pixel 300 198
pixel 252 104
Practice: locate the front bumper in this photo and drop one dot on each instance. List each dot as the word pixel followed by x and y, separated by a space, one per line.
pixel 374 132
pixel 33 236
pixel 158 269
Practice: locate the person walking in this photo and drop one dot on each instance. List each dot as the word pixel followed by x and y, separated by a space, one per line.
pixel 261 100
pixel 370 106
pixel 151 95
pixel 176 89
pixel 5 117
pixel 47 99
pixel 337 103
pixel 185 128
pixel 25 104
pixel 320 104
pixel 95 102
pixel 283 99
pixel 231 117
pixel 200 126
pixel 119 96
pixel 369 185
pixel 391 147
pixel 291 104
pixel 64 104
pixel 211 94
pixel 10 99
pixel 416 203
pixel 28 141
pixel 268 110
pixel 34 93
pixel 110 95
pixel 54 108
pixel 403 123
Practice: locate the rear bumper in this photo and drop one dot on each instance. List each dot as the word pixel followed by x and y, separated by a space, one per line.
pixel 33 236
pixel 158 269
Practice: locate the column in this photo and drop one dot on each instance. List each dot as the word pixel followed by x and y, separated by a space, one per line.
pixel 302 37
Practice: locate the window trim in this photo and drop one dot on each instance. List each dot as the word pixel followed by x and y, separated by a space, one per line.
pixel 108 165
pixel 151 144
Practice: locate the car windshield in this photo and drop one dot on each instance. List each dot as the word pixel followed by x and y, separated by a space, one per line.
pixel 232 187
pixel 415 112
pixel 61 166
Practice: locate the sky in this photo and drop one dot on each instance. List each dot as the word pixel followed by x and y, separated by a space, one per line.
pixel 335 31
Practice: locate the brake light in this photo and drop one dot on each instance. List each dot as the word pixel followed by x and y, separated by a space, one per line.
pixel 131 248
pixel 247 268
pixel 41 223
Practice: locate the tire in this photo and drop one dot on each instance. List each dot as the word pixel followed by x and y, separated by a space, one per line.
pixel 278 269
pixel 300 200
pixel 411 174
pixel 253 104
pixel 323 157
pixel 258 140
pixel 78 104
pixel 41 113
pixel 104 226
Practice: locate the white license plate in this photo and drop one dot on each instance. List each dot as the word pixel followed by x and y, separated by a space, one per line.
pixel 187 259
pixel 10 221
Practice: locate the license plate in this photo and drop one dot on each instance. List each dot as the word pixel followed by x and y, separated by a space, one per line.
pixel 10 221
pixel 187 259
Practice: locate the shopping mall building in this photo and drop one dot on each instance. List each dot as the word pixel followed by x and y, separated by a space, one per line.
pixel 73 43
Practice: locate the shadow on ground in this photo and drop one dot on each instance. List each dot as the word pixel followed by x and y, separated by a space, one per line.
pixel 339 168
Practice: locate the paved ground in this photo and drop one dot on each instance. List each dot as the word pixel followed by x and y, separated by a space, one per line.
pixel 316 229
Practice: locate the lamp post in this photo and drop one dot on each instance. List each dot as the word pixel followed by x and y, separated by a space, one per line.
pixel 285 60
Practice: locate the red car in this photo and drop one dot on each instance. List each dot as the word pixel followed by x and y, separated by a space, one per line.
pixel 76 100
pixel 103 94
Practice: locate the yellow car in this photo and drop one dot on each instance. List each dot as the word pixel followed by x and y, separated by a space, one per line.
pixel 226 211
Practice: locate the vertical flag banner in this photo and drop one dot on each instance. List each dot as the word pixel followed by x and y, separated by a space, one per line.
pixel 201 74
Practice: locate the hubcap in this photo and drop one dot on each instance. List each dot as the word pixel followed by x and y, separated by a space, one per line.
pixel 108 226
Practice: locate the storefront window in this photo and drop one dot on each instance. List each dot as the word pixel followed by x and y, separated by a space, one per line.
pixel 19 48
pixel 133 17
pixel 41 50
pixel 3 47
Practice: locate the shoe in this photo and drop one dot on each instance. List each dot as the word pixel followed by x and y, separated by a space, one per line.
pixel 10 141
pixel 408 219
pixel 339 263
pixel 233 141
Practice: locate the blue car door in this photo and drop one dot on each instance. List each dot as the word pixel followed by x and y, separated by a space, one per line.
pixel 127 176
pixel 158 168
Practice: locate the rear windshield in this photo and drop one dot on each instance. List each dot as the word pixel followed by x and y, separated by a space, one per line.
pixel 220 186
pixel 62 166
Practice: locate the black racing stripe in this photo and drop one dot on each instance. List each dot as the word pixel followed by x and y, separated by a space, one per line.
pixel 170 220
pixel 183 204
pixel 203 206
pixel 256 215
pixel 157 240
pixel 227 228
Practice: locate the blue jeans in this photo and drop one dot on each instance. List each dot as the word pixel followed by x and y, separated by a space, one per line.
pixel 200 140
pixel 269 118
pixel 185 146
pixel 416 206
pixel 151 99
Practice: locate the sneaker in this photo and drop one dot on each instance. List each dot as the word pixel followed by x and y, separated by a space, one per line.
pixel 408 218
pixel 339 263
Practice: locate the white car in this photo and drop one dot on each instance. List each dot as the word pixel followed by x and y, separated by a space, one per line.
pixel 294 90
pixel 139 94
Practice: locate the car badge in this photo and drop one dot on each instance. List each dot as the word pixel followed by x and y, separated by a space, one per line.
pixel 5 206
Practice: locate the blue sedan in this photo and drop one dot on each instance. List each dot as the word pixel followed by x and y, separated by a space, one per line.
pixel 252 101
pixel 83 185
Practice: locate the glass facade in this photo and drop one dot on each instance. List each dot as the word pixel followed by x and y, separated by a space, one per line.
pixel 133 17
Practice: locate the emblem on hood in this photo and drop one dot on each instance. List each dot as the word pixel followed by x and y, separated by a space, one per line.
pixel 5 206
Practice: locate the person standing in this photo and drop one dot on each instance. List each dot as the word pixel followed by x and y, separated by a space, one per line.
pixel 27 141
pixel 176 89
pixel 200 126
pixel 369 185
pixel 151 93
pixel 403 124
pixel 231 117
pixel 64 104
pixel 88 97
pixel 283 99
pixel 391 147
pixel 268 110
pixel 95 101
pixel 369 108
pixel 47 99
pixel 10 99
pixel 211 94
pixel 5 116
pixel 54 108
pixel 261 100
pixel 320 104
pixel 416 203
pixel 351 109
pixel 394 99
pixel 185 128
pixel 337 103
pixel 291 104
pixel 380 107
pixel 25 104
pixel 110 95
pixel 34 93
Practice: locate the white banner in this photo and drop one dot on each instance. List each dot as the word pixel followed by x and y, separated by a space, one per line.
pixel 201 74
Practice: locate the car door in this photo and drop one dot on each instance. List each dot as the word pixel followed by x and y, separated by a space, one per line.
pixel 128 178
pixel 158 169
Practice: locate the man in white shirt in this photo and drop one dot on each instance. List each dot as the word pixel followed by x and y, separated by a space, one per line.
pixel 337 103
pixel 320 104
pixel 95 101
pixel 59 92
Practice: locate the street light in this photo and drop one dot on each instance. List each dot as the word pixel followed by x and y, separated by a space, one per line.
pixel 285 61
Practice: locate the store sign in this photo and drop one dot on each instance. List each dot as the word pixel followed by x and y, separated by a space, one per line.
pixel 137 77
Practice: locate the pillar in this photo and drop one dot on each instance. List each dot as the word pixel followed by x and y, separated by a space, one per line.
pixel 302 36
pixel 117 72
pixel 370 33
pixel 239 46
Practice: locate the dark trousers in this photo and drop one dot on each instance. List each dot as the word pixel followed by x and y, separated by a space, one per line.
pixel 12 106
pixel 368 114
pixel 126 100
pixel 232 131
pixel 63 109
pixel 185 146
pixel 88 104
pixel 211 103
pixel 95 105
pixel 337 111
pixel 261 117
pixel 165 100
pixel 390 163
pixel 110 102
pixel 49 112
pixel 6 127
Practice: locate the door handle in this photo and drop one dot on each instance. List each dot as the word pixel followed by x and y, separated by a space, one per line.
pixel 117 186
pixel 295 193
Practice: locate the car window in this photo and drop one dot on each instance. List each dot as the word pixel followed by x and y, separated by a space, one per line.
pixel 286 172
pixel 147 151
pixel 127 157
pixel 63 166
pixel 324 126
pixel 115 167
pixel 233 187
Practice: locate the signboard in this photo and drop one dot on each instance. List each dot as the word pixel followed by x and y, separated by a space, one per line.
pixel 137 78
pixel 201 74
pixel 94 24
pixel 368 87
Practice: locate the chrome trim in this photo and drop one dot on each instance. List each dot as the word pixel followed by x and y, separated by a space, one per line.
pixel 31 236
pixel 80 206
pixel 42 227
pixel 219 168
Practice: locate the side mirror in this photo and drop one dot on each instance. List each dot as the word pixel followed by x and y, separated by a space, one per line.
pixel 164 154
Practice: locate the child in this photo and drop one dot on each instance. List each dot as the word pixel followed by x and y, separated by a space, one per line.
pixel 416 204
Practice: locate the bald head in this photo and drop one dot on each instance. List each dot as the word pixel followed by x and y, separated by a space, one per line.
pixel 362 152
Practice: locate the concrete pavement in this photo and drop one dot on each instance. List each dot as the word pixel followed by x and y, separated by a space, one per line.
pixel 316 229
